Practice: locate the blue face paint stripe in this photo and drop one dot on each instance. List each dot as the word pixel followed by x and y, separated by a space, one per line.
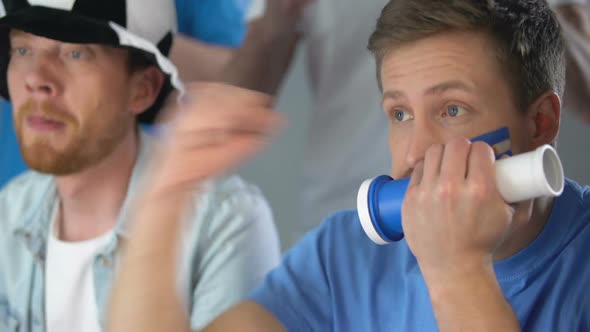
pixel 499 140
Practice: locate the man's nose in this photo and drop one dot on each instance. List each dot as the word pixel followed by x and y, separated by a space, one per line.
pixel 40 78
pixel 422 138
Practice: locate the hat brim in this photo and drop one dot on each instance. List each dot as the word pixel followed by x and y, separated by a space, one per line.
pixel 69 27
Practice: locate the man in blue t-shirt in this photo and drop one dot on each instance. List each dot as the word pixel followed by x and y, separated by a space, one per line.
pixel 216 28
pixel 469 261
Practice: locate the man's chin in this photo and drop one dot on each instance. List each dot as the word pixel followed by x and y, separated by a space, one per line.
pixel 54 167
pixel 51 162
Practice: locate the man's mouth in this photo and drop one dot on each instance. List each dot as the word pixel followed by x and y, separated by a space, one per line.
pixel 44 124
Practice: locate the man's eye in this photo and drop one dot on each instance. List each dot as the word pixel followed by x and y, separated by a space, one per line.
pixel 401 116
pixel 76 54
pixel 22 51
pixel 454 111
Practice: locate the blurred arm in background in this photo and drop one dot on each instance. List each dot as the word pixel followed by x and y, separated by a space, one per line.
pixel 262 60
pixel 575 21
pixel 209 34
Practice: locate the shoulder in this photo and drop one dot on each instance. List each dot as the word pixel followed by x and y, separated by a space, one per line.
pixel 574 201
pixel 581 191
pixel 26 182
pixel 229 205
pixel 571 212
pixel 20 194
pixel 343 226
pixel 18 202
pixel 572 270
pixel 229 232
pixel 339 246
pixel 232 191
pixel 339 237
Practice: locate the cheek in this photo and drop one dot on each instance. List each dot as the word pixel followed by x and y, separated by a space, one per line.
pixel 519 138
pixel 518 127
pixel 104 113
pixel 398 144
pixel 84 104
pixel 115 93
pixel 15 83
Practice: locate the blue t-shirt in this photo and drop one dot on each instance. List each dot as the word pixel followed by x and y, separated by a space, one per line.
pixel 336 279
pixel 220 22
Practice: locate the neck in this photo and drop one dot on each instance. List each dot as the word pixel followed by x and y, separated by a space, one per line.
pixel 91 200
pixel 530 218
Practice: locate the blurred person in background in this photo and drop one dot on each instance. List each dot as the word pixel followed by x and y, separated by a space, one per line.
pixel 209 34
pixel 82 75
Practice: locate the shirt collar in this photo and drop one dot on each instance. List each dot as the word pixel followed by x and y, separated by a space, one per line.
pixel 35 224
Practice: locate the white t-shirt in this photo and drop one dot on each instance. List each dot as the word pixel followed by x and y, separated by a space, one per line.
pixel 347 138
pixel 70 302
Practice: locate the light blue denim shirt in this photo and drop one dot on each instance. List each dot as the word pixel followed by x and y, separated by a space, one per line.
pixel 230 242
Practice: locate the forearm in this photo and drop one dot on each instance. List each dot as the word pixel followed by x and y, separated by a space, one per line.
pixel 207 136
pixel 471 300
pixel 198 61
pixel 145 297
pixel 262 62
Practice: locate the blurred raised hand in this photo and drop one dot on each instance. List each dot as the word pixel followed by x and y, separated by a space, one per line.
pixel 210 131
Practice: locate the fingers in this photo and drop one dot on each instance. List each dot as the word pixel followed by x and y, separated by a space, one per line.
pixel 432 162
pixel 220 135
pixel 215 115
pixel 214 129
pixel 223 155
pixel 220 108
pixel 480 168
pixel 416 177
pixel 450 163
pixel 203 100
pixel 224 118
pixel 225 92
pixel 454 166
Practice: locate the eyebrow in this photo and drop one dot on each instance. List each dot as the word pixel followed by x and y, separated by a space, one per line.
pixel 392 94
pixel 450 85
pixel 17 33
pixel 434 90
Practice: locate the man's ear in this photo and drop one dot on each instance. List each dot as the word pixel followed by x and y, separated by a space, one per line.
pixel 146 86
pixel 544 119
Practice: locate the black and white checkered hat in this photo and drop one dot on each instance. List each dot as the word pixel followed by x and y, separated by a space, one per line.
pixel 145 25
